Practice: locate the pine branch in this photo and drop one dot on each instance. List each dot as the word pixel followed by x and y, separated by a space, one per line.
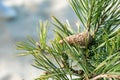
pixel 94 50
pixel 108 76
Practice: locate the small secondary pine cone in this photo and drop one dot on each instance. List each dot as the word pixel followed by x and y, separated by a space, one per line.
pixel 83 39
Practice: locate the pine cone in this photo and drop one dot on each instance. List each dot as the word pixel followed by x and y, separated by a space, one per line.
pixel 83 39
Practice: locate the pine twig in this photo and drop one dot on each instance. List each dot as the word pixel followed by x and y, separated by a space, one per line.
pixel 109 76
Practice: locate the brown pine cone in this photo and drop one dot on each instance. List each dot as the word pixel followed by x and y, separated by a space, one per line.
pixel 83 39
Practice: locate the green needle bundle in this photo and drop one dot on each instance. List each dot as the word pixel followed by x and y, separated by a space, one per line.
pixel 93 54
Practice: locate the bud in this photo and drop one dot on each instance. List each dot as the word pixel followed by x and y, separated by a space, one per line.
pixel 83 39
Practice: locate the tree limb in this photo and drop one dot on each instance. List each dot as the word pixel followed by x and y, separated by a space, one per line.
pixel 109 76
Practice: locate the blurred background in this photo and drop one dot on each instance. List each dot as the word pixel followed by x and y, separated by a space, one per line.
pixel 18 19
